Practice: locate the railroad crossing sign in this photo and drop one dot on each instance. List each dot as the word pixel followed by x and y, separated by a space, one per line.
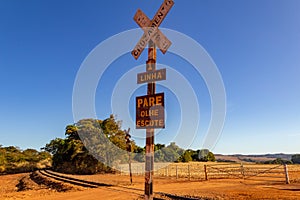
pixel 151 31
pixel 150 108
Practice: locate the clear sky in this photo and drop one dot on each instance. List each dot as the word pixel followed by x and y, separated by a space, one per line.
pixel 254 43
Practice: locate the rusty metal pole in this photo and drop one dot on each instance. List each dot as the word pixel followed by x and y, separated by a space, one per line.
pixel 149 165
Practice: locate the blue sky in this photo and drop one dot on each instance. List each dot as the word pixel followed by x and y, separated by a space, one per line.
pixel 255 45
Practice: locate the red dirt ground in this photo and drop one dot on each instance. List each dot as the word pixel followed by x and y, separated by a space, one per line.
pixel 212 189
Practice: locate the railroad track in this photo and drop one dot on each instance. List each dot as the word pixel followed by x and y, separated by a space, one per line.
pixel 92 184
pixel 73 181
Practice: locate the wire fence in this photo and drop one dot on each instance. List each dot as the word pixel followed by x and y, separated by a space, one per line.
pixel 294 173
pixel 274 173
pixel 208 171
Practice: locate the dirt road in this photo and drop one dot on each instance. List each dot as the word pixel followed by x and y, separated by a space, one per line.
pixel 121 189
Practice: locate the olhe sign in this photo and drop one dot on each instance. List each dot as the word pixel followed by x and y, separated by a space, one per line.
pixel 150 111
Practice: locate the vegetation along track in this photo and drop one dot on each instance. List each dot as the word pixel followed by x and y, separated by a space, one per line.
pixel 91 184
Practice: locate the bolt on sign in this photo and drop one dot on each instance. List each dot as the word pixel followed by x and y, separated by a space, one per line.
pixel 151 30
pixel 150 111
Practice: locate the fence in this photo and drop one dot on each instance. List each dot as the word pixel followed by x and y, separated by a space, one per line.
pixel 204 171
pixel 294 173
pixel 170 170
pixel 257 172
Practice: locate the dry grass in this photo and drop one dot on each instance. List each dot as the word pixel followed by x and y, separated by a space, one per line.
pixel 218 170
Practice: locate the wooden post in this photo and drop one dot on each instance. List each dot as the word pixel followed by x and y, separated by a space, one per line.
pixel 129 160
pixel 150 66
pixel 205 172
pixel 287 179
pixel 242 171
pixel 129 149
pixel 163 43
pixel 189 171
pixel 167 171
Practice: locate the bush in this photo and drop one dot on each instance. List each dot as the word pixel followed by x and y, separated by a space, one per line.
pixel 13 160
pixel 278 161
pixel 205 155
pixel 296 159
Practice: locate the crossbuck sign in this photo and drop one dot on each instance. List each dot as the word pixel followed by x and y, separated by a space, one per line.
pixel 151 31
pixel 150 108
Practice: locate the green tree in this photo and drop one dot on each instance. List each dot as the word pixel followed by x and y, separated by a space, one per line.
pixel 175 148
pixel 140 154
pixel 158 146
pixel 13 154
pixel 186 156
pixel 211 157
pixel 14 160
pixel 72 132
pixel 169 155
pixel 43 155
pixel 278 161
pixel 296 159
pixel 205 155
pixel 31 155
pixel 104 139
pixel 2 156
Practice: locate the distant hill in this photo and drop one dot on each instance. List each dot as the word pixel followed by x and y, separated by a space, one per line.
pixel 252 158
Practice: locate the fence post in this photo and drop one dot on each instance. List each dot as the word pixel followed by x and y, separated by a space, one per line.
pixel 205 172
pixel 287 180
pixel 167 171
pixel 242 171
pixel 176 172
pixel 189 172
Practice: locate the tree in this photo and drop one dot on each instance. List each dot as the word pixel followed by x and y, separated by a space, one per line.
pixel 205 155
pixel 170 155
pixel 104 140
pixel 72 132
pixel 13 154
pixel 55 146
pixel 14 160
pixel 2 157
pixel 211 157
pixel 278 161
pixel 140 154
pixel 69 155
pixel 31 155
pixel 158 146
pixel 186 157
pixel 296 159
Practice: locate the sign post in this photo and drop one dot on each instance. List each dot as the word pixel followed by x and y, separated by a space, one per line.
pixel 150 65
pixel 150 108
pixel 129 150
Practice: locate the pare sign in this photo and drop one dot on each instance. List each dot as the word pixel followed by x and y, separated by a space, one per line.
pixel 150 111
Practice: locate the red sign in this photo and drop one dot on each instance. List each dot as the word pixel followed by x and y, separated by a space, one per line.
pixel 150 112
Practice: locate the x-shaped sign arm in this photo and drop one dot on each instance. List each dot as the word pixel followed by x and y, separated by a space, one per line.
pixel 151 31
